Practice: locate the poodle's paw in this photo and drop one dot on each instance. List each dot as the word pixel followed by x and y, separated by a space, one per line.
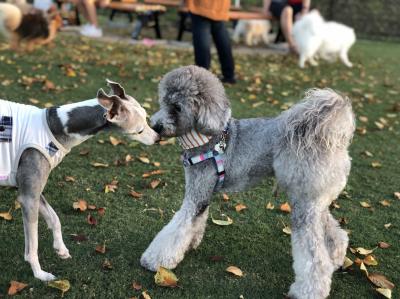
pixel 308 290
pixel 152 260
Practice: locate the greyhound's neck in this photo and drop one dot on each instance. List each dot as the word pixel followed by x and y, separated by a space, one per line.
pixel 72 124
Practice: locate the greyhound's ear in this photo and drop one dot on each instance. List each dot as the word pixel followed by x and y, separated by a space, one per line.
pixel 107 101
pixel 116 111
pixel 117 89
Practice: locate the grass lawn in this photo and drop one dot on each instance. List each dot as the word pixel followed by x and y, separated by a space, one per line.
pixel 255 241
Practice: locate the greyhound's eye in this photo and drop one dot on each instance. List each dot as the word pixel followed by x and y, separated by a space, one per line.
pixel 140 132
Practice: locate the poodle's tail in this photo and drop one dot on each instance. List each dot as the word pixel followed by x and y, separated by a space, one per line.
pixel 322 122
pixel 10 18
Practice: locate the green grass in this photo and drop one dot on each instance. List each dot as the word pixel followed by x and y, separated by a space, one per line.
pixel 255 241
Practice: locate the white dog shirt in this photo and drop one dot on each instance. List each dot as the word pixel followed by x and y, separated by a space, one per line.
pixel 22 127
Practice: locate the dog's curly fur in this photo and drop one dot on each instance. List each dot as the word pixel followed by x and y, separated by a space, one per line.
pixel 305 148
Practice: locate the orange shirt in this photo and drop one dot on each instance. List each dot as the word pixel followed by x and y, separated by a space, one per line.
pixel 217 10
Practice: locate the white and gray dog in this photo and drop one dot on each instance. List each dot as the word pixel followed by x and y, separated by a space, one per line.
pixel 33 141
pixel 305 148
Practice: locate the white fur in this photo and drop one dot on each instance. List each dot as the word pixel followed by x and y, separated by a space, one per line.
pixel 10 18
pixel 314 37
pixel 253 31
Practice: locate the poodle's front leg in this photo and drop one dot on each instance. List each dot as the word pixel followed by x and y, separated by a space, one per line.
pixel 187 227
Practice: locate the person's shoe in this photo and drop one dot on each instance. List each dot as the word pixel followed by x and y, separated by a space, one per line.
pixel 228 80
pixel 91 31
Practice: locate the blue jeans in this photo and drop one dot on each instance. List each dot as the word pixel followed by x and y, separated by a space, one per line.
pixel 201 29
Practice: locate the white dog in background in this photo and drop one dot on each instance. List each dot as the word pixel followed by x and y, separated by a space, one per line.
pixel 314 37
pixel 253 32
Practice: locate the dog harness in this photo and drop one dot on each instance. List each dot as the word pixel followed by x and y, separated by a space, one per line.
pixel 217 154
pixel 23 127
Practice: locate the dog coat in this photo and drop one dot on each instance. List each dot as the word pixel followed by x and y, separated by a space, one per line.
pixel 22 127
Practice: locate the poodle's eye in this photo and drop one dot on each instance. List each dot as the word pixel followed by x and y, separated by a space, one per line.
pixel 177 108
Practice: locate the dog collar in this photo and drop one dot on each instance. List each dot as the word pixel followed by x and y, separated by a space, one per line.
pixel 193 139
pixel 217 154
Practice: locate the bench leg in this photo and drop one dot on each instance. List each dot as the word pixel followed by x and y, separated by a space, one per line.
pixel 112 14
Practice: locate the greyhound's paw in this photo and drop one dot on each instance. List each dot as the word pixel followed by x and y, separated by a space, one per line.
pixel 63 254
pixel 44 276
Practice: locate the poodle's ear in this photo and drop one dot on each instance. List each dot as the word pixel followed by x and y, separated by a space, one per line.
pixel 212 119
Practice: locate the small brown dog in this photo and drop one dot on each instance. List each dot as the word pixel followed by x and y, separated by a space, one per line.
pixel 31 26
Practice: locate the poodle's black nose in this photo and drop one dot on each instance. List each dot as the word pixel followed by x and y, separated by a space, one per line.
pixel 158 128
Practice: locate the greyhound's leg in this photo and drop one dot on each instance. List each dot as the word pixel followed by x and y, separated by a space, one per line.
pixel 53 222
pixel 33 171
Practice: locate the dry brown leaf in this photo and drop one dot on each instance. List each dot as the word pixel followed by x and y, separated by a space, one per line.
pixel 154 172
pixel 97 164
pixel 144 160
pixel 363 268
pixel 128 158
pixel 101 211
pixel 62 285
pixel 144 295
pixel 363 119
pixel 6 216
pixel 157 164
pixel 165 278
pixel 396 195
pixel 363 251
pixel 381 281
pixel 285 207
pixel 107 265
pixel 225 197
pixel 387 293
pixel 240 207
pixel 69 179
pixel 385 203
pixel 270 206
pixel 101 248
pixel 226 222
pixel 376 164
pixel 115 141
pixel 91 207
pixel 80 205
pixel 365 204
pixel 111 187
pixel 234 270
pixel 15 287
pixel 387 225
pixel 17 205
pixel 91 220
pixel 347 263
pixel 136 286
pixel 84 152
pixel 383 245
pixel 135 194
pixel 154 184
pixel 370 260
pixel 287 230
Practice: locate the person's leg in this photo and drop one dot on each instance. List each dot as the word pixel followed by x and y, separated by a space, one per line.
pixel 201 40
pixel 223 44
pixel 287 24
pixel 90 9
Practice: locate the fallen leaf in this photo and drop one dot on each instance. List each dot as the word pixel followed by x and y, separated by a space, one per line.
pixel 368 154
pixel 225 197
pixel 97 164
pixel 234 270
pixel 363 119
pixel 154 184
pixel 385 203
pixel 17 205
pixel 135 194
pixel 91 207
pixel 69 179
pixel 107 265
pixel 144 160
pixel 79 238
pixel 91 220
pixel 285 207
pixel 370 260
pixel 240 207
pixel 376 164
pixel 287 230
pixel 136 286
pixel 101 211
pixel 270 206
pixel 6 216
pixel 15 287
pixel 396 195
pixel 387 293
pixel 144 295
pixel 165 278
pixel 363 251
pixel 380 281
pixel 111 187
pixel 101 248
pixel 365 204
pixel 383 245
pixel 115 141
pixel 48 85
pixel 128 158
pixel 347 263
pixel 154 172
pixel 387 225
pixel 80 205
pixel 226 222
pixel 363 268
pixel 84 152
pixel 62 285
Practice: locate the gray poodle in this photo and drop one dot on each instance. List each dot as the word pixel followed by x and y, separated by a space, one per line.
pixel 305 148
